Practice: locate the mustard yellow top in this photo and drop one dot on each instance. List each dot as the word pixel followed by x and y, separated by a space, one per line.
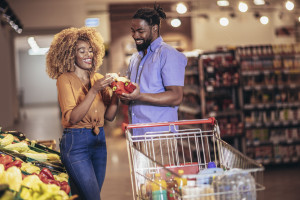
pixel 72 92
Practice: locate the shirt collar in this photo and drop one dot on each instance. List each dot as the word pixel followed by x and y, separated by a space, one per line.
pixel 156 43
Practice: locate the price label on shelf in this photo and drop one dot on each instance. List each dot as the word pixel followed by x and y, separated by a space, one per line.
pixel 210 88
pixel 293 86
pixel 257 87
pixel 210 69
pixel 276 123
pixel 212 114
pixel 247 87
pixel 260 105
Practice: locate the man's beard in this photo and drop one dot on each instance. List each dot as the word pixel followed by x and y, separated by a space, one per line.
pixel 144 45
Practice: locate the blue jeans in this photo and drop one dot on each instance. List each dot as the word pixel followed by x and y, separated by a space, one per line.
pixel 84 155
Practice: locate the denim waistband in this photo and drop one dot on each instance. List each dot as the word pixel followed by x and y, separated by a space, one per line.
pixel 78 130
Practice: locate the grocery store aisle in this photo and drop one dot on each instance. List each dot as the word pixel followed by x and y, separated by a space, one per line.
pixel 282 182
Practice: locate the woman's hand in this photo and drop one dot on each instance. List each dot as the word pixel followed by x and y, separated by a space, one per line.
pixel 102 83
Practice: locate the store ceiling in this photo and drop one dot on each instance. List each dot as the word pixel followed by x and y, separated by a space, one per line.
pixel 120 9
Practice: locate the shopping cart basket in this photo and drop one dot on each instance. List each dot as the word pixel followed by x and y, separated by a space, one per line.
pixel 191 149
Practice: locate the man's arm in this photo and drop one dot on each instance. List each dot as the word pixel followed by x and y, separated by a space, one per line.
pixel 171 97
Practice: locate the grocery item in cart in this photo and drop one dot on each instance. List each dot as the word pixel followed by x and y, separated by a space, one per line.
pixel 159 188
pixel 199 192
pixel 195 148
pixel 206 175
pixel 235 184
pixel 172 187
pixel 180 180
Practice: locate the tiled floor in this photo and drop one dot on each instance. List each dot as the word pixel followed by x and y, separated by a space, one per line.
pixel 43 123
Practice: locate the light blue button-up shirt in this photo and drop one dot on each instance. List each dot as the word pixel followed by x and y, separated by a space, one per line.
pixel 161 66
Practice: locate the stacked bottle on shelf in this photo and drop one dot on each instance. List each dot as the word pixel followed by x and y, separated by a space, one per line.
pixel 271 96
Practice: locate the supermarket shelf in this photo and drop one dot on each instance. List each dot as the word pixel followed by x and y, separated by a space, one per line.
pixel 192 110
pixel 271 87
pixel 272 124
pixel 191 72
pixel 192 89
pixel 264 106
pixel 270 142
pixel 264 71
pixel 224 113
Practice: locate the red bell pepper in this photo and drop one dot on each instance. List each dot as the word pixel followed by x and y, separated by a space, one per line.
pixel 17 163
pixel 6 160
pixel 66 188
pixel 48 173
pixel 50 181
pixel 129 87
pixel 118 87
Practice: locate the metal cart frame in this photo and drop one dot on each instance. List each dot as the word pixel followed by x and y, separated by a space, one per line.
pixel 190 149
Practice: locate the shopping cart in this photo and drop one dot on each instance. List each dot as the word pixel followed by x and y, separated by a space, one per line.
pixel 190 145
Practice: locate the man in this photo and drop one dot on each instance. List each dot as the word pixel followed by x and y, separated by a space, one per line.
pixel 157 69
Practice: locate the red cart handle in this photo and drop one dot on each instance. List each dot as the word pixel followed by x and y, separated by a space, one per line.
pixel 210 120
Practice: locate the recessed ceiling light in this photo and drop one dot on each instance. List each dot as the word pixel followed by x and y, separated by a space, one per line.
pixel 223 3
pixel 224 21
pixel 259 2
pixel 289 5
pixel 243 7
pixel 181 8
pixel 264 20
pixel 175 22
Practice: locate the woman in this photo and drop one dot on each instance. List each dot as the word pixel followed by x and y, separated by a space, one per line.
pixel 73 59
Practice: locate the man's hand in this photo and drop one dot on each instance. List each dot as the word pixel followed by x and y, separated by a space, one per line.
pixel 125 98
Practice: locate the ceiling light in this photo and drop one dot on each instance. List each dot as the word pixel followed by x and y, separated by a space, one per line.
pixel 264 20
pixel 223 3
pixel 32 43
pixel 181 8
pixel 39 52
pixel 259 2
pixel 243 7
pixel 224 21
pixel 289 5
pixel 175 22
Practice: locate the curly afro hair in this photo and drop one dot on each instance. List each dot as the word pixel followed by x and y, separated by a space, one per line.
pixel 61 55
